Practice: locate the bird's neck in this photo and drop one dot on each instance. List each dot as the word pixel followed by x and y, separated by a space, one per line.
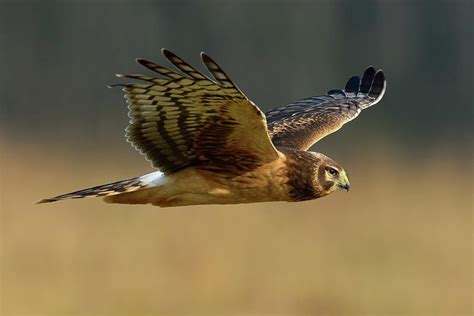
pixel 302 168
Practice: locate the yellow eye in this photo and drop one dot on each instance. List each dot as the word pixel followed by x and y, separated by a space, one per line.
pixel 332 171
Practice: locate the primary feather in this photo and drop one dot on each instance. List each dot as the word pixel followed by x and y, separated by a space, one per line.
pixel 304 122
pixel 190 119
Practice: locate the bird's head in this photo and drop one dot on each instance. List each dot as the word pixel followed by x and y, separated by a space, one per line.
pixel 331 176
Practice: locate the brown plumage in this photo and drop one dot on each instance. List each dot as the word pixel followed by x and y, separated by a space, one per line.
pixel 212 145
pixel 302 123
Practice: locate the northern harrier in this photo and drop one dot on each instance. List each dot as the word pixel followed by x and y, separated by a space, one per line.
pixel 213 145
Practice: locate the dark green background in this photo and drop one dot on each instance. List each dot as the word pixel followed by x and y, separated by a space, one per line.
pixel 399 243
pixel 57 58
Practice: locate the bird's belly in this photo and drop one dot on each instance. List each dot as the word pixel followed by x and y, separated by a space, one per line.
pixel 192 186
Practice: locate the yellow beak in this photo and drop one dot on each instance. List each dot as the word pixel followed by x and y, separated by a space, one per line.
pixel 344 183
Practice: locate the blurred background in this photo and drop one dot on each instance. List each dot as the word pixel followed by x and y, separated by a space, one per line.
pixel 400 243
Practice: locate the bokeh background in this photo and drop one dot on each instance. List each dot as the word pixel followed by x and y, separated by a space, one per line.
pixel 400 243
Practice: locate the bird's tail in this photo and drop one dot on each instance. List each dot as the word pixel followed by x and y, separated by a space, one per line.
pixel 119 187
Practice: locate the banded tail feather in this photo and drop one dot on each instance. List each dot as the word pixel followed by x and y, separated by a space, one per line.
pixel 114 188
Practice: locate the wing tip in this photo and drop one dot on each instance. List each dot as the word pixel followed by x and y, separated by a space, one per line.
pixel 352 85
pixel 369 68
pixel 379 86
pixel 115 85
pixel 169 55
pixel 142 61
pixel 372 84
pixel 42 201
pixel 337 92
pixel 206 58
pixel 380 73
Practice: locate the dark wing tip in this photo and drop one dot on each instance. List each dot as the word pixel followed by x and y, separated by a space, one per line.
pixel 352 84
pixel 207 60
pixel 371 85
pixel 217 72
pixel 212 66
pixel 146 63
pixel 379 75
pixel 336 92
pixel 367 79
pixel 378 85
pixel 172 57
pixel 369 71
pixel 117 85
pixel 46 201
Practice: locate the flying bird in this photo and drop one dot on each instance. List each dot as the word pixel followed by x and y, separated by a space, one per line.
pixel 212 145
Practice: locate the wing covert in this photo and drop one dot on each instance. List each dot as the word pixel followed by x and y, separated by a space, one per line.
pixel 189 119
pixel 302 123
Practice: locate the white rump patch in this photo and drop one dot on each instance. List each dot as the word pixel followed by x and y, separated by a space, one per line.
pixel 153 179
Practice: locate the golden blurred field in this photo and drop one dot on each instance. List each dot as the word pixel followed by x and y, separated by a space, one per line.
pixel 400 243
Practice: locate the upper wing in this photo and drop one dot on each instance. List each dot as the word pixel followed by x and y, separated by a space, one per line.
pixel 189 119
pixel 302 123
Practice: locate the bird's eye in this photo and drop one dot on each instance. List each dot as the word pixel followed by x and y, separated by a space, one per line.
pixel 332 171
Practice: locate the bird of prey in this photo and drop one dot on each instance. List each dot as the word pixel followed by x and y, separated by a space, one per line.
pixel 212 145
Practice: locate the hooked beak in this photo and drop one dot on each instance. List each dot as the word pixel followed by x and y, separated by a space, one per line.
pixel 344 183
pixel 346 186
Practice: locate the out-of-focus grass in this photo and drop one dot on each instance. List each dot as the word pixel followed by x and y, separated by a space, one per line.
pixel 400 243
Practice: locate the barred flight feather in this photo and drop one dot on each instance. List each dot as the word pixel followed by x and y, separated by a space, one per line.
pixel 189 119
pixel 302 123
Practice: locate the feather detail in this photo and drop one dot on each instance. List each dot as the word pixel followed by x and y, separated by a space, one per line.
pixel 302 123
pixel 130 185
pixel 189 119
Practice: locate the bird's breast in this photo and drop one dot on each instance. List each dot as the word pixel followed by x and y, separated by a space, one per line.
pixel 265 183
